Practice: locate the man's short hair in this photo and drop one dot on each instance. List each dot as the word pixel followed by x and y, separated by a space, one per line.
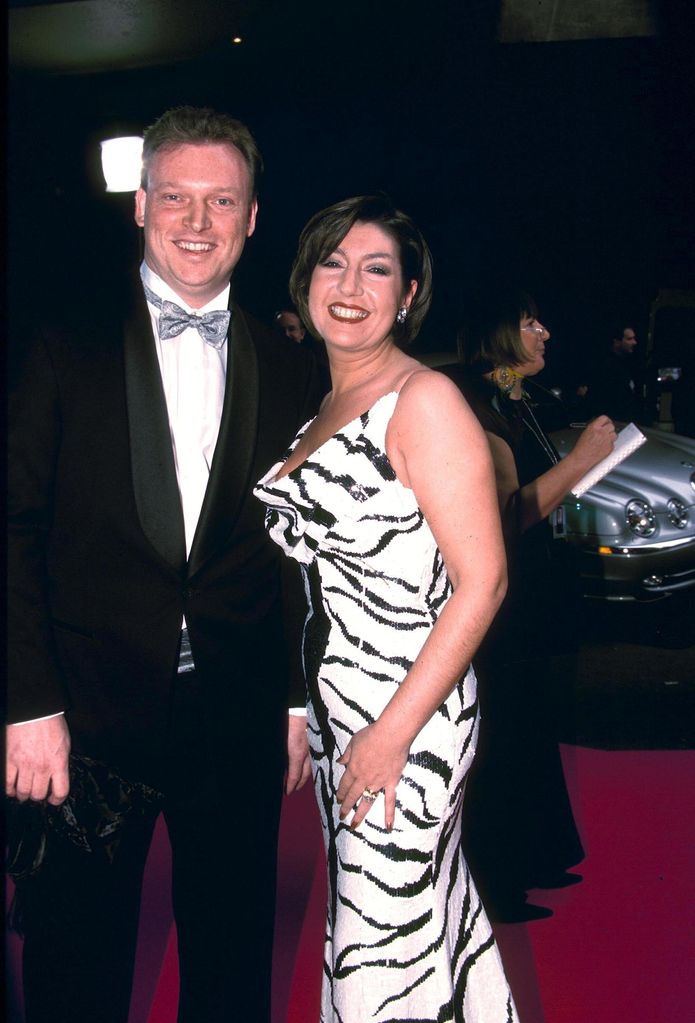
pixel 327 228
pixel 187 125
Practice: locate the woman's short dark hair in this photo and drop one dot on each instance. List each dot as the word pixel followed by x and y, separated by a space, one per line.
pixel 324 233
pixel 182 126
pixel 489 335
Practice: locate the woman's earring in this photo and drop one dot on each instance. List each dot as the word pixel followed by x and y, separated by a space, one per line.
pixel 504 378
pixel 402 313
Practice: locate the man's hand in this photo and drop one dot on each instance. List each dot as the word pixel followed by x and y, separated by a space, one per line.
pixel 298 761
pixel 37 760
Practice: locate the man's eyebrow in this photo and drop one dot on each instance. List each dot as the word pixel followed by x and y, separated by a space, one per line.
pixel 178 186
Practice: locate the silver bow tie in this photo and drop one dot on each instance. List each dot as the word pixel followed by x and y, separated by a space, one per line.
pixel 173 320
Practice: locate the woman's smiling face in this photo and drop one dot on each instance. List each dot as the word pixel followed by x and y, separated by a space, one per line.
pixel 356 292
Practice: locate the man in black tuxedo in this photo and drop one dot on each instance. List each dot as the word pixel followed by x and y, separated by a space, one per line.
pixel 145 626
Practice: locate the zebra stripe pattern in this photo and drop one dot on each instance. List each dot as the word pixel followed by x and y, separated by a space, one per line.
pixel 407 938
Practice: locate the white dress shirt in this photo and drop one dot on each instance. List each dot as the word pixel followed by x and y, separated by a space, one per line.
pixel 193 377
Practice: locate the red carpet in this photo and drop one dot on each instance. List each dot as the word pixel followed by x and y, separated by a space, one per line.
pixel 618 949
pixel 618 946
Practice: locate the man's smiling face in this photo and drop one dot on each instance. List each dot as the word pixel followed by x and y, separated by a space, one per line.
pixel 197 213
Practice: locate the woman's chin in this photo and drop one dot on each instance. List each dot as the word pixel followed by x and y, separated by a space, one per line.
pixel 531 368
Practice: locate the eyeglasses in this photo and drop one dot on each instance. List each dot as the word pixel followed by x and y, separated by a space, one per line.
pixel 534 330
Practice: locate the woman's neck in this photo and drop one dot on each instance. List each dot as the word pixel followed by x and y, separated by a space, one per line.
pixel 355 371
pixel 515 391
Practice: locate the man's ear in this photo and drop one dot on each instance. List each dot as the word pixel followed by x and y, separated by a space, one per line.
pixel 253 213
pixel 140 203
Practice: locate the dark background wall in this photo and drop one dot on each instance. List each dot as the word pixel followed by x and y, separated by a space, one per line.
pixel 566 166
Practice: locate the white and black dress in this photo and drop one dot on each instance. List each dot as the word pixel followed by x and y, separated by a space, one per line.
pixel 407 937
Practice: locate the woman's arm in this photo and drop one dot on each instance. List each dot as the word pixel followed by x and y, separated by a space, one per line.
pixel 523 507
pixel 438 449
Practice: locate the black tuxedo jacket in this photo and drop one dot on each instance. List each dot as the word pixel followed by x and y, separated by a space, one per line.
pixel 99 579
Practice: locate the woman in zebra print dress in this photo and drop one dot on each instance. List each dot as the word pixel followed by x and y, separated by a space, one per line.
pixel 387 501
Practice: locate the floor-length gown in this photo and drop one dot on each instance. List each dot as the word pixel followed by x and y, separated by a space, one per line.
pixel 519 831
pixel 407 937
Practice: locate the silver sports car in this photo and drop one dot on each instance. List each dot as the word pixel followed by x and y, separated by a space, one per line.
pixel 635 530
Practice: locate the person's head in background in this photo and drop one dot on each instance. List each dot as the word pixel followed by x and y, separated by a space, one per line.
pixel 624 341
pixel 288 321
pixel 501 328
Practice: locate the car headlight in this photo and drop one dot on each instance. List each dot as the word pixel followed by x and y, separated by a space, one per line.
pixel 677 513
pixel 640 518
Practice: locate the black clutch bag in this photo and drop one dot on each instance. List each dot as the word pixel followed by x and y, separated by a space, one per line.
pixel 90 822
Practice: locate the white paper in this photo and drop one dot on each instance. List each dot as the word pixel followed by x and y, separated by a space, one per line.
pixel 627 441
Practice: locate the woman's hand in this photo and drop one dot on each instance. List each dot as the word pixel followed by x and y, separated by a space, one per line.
pixel 537 499
pixel 595 443
pixel 372 762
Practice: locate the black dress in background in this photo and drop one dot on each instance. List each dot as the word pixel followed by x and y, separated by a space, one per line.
pixel 518 828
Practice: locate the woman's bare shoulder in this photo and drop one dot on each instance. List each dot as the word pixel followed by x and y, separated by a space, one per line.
pixel 427 388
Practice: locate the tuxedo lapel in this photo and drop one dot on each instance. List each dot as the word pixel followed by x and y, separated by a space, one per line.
pixel 234 451
pixel 154 472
